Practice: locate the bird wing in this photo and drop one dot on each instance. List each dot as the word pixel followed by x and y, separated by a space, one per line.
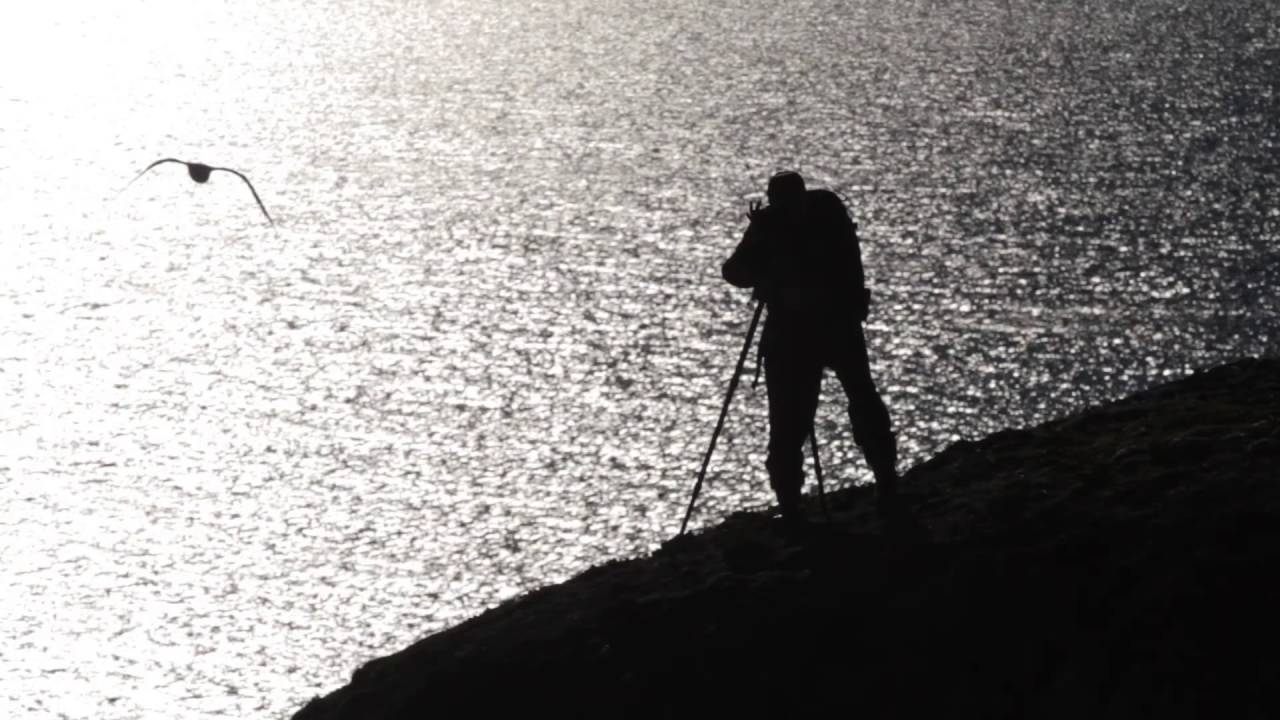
pixel 240 175
pixel 148 168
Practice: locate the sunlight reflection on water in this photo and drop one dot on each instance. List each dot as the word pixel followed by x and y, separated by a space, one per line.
pixel 486 345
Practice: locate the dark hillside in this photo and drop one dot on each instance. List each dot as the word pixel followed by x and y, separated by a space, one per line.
pixel 1118 563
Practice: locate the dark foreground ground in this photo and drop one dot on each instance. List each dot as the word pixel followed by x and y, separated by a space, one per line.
pixel 1119 563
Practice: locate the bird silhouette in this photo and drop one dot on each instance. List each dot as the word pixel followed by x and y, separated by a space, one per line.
pixel 200 173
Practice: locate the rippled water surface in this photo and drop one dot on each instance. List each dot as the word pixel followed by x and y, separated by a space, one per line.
pixel 487 341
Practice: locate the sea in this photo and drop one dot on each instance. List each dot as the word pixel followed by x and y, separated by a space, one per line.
pixel 475 340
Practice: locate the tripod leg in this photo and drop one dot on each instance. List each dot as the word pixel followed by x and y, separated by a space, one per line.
pixel 817 473
pixel 724 412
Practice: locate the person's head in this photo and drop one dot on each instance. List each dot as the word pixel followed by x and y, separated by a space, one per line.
pixel 786 190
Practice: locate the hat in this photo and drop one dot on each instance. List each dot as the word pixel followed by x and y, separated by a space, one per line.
pixel 785 184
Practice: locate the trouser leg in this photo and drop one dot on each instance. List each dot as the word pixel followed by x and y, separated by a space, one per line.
pixel 872 427
pixel 793 381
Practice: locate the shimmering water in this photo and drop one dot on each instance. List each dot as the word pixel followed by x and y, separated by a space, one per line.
pixel 486 345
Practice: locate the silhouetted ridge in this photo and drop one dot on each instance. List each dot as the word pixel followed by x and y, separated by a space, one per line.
pixel 1117 563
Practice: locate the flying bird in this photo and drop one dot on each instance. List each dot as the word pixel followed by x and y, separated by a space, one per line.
pixel 200 173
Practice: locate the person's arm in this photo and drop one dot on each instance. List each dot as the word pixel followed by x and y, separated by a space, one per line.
pixel 747 266
pixel 744 268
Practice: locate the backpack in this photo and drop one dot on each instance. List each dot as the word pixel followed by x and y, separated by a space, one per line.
pixel 837 252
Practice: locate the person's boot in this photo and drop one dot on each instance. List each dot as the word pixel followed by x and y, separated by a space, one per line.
pixel 793 515
pixel 889 504
pixel 895 515
pixel 884 465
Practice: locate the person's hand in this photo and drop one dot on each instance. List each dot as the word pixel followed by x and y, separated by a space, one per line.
pixel 753 209
pixel 765 291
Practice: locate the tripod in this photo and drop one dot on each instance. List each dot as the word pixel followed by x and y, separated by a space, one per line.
pixel 724 412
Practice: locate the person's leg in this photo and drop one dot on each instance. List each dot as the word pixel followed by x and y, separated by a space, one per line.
pixel 872 427
pixel 793 380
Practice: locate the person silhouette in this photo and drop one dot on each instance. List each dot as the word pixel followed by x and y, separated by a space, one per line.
pixel 801 257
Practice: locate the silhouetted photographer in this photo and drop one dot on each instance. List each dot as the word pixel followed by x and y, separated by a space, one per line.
pixel 800 254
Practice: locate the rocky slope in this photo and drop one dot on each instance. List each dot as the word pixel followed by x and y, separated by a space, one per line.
pixel 1118 563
